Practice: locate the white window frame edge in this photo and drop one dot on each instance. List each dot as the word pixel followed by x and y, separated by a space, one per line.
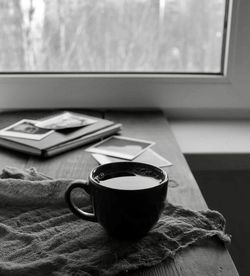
pixel 126 91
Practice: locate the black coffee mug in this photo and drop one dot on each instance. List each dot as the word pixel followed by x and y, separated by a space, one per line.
pixel 127 197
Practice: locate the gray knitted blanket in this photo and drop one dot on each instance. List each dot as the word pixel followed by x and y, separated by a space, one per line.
pixel 40 236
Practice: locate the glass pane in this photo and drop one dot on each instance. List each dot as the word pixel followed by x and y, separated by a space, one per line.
pixel 112 35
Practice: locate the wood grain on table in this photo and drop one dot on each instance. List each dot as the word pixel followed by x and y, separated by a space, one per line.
pixel 210 257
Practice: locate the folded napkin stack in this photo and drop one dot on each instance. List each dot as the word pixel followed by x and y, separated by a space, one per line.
pixel 40 236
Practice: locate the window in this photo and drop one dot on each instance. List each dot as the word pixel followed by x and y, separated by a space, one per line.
pixel 216 82
pixel 113 36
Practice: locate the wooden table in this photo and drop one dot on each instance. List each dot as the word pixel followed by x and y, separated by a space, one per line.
pixel 209 258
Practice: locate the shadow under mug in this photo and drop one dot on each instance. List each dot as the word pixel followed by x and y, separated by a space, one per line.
pixel 123 213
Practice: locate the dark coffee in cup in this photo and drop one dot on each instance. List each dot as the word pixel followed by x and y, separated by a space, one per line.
pixel 127 197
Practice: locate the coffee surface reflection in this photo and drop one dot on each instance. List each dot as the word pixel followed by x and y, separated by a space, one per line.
pixel 133 182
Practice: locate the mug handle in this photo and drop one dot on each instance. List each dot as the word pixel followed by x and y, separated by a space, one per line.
pixel 77 211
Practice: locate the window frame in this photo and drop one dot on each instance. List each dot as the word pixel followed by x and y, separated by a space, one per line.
pixel 166 91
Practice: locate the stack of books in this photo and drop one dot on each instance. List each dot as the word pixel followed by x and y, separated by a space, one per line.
pixel 57 134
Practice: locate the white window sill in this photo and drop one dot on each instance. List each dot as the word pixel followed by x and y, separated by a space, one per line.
pixel 212 136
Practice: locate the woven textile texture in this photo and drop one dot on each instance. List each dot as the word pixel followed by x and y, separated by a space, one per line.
pixel 40 236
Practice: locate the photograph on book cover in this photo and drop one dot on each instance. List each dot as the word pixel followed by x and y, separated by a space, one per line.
pixel 25 129
pixel 65 120
pixel 121 147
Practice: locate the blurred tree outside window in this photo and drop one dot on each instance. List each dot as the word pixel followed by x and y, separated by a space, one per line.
pixel 172 36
